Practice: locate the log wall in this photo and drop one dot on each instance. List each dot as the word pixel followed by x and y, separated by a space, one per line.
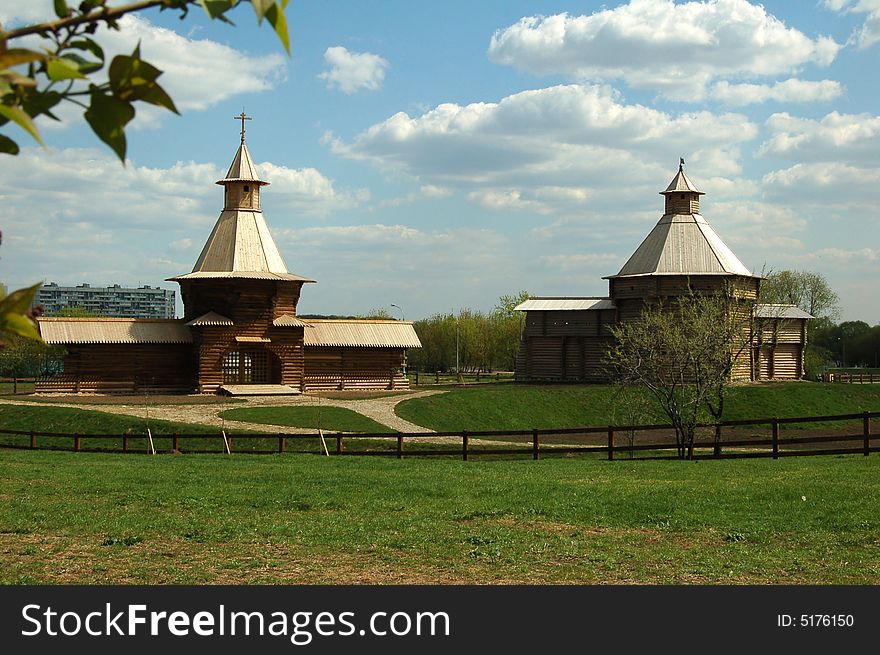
pixel 125 368
pixel 338 367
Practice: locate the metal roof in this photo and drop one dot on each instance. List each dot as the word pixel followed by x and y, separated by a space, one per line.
pixel 781 311
pixel 683 244
pixel 211 318
pixel 113 330
pixel 245 339
pixel 289 320
pixel 363 333
pixel 242 168
pixel 563 304
pixel 241 245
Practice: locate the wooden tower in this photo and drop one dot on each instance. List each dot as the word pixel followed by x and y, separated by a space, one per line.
pixel 240 300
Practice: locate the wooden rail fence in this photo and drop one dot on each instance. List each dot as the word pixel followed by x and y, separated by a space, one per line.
pixel 612 441
pixel 852 378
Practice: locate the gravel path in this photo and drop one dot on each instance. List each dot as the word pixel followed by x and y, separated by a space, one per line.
pixel 378 409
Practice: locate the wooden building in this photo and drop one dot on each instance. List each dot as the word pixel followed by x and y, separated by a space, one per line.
pixel 240 327
pixel 567 338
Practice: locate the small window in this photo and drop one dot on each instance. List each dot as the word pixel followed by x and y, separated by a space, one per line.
pixel 682 195
pixel 247 189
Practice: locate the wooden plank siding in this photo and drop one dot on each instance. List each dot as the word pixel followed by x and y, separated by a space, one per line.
pixel 571 344
pixel 337 368
pixel 124 367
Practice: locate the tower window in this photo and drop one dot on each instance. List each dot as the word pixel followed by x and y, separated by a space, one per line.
pixel 247 189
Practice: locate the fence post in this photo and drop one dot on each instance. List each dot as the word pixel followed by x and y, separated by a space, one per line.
pixel 610 443
pixel 76 443
pixel 280 444
pixel 775 438
pixel 339 446
pixel 866 425
pixel 33 440
pixel 417 378
pixel 436 377
pixel 125 443
pixel 399 447
pixel 175 442
pixel 14 385
pixel 536 449
pixel 464 446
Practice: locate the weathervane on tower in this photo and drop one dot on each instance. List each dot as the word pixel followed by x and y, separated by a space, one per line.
pixel 241 117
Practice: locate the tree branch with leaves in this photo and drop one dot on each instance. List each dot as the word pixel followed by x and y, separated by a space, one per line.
pixel 67 67
pixel 683 352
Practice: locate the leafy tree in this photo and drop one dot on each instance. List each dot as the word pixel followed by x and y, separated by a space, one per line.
pixel 69 63
pixel 75 311
pixel 811 292
pixel 27 357
pixel 507 304
pixel 808 290
pixel 683 353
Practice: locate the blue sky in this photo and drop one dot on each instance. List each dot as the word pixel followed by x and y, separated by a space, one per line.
pixel 438 155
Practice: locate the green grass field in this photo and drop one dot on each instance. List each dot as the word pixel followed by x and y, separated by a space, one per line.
pixel 104 518
pixel 522 407
pixel 334 419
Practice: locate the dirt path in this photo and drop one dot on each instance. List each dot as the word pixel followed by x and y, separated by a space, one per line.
pixel 378 409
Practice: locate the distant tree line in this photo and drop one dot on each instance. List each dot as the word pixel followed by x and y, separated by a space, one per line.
pixel 470 340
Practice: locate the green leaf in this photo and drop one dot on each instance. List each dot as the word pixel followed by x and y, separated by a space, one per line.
pixel 41 103
pixel 13 78
pixel 63 69
pixel 84 65
pixel 19 56
pixel 276 19
pixel 216 8
pixel 131 79
pixel 20 118
pixel 19 324
pixel 89 45
pixel 8 146
pixel 61 9
pixel 108 117
pixel 262 7
pixel 12 313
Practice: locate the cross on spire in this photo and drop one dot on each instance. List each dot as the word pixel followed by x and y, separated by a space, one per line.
pixel 241 117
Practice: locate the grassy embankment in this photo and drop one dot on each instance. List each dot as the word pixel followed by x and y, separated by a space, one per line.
pixel 522 407
pixel 105 518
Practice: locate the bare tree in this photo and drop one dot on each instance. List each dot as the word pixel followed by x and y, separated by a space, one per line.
pixel 685 352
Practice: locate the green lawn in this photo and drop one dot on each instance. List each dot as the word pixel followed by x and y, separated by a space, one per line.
pixel 104 518
pixel 334 419
pixel 522 407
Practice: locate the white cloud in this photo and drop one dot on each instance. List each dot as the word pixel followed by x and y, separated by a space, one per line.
pixel 307 191
pixel 506 200
pixel 353 71
pixel 830 183
pixel 792 90
pixel 100 222
pixel 18 13
pixel 869 33
pixel 849 137
pixel 584 139
pixel 658 44
pixel 581 261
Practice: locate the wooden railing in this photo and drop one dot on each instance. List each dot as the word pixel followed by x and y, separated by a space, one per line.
pixel 610 441
pixel 852 378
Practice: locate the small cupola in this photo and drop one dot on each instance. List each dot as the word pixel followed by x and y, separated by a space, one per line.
pixel 682 197
pixel 242 183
